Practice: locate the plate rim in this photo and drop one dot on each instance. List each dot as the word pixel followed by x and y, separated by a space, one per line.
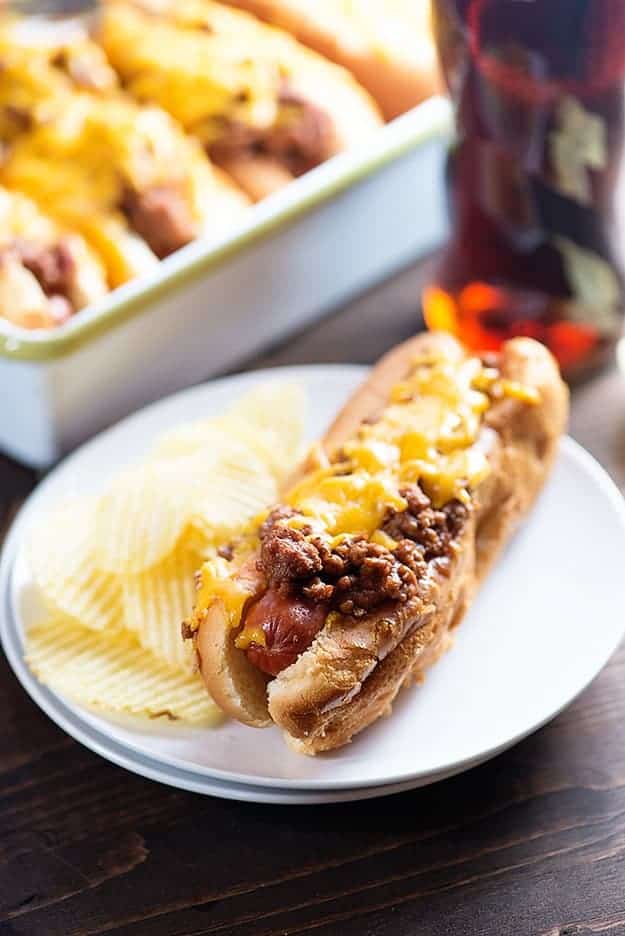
pixel 569 448
pixel 160 770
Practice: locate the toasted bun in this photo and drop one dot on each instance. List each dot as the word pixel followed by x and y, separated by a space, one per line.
pixel 353 670
pixel 237 687
pixel 258 176
pixel 398 67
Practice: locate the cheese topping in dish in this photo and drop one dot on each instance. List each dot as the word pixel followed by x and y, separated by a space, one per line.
pixel 93 149
pixel 200 61
pixel 125 176
pixel 243 88
pixel 39 70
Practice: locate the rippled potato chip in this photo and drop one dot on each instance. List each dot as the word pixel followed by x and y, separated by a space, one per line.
pixel 117 572
pixel 141 517
pixel 236 495
pixel 61 556
pixel 158 600
pixel 270 419
pixel 115 675
pixel 204 438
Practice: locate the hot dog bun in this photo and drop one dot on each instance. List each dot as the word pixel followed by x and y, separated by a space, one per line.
pixel 350 674
pixel 387 47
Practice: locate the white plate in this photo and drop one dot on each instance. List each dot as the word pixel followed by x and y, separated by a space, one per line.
pixel 73 722
pixel 545 623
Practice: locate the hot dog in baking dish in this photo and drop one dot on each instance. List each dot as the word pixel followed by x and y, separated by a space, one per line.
pixel 266 108
pixel 349 589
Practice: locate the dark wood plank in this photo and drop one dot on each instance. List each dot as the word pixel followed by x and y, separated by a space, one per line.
pixel 15 483
pixel 538 835
pixel 531 844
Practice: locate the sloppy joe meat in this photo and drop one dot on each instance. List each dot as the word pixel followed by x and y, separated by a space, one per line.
pixel 301 137
pixel 53 267
pixel 161 215
pixel 303 572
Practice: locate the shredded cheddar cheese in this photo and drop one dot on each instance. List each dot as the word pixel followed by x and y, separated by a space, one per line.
pixel 383 539
pixel 216 582
pixel 427 435
pixel 251 635
pixel 200 61
pixel 42 69
pixel 519 391
pixel 355 501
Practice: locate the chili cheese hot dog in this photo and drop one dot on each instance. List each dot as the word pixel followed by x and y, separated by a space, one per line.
pixel 350 587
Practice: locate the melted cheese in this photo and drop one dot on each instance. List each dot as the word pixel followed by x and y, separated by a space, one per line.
pixel 519 391
pixel 427 434
pixel 383 539
pixel 200 61
pixel 250 635
pixel 346 503
pixel 21 219
pixel 80 162
pixel 78 166
pixel 42 66
pixel 217 582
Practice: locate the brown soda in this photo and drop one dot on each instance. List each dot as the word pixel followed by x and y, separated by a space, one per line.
pixel 537 88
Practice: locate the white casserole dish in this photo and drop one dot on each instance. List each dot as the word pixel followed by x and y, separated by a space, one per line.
pixel 330 234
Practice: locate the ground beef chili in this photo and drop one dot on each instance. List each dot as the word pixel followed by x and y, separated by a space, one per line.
pixel 53 265
pixel 306 578
pixel 161 215
pixel 300 139
pixel 433 530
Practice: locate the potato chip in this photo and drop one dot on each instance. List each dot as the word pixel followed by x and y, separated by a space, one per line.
pixel 61 557
pixel 232 484
pixel 270 419
pixel 141 517
pixel 114 675
pixel 236 494
pixel 157 601
pixel 213 441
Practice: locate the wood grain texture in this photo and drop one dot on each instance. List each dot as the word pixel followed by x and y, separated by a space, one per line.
pixel 16 482
pixel 531 844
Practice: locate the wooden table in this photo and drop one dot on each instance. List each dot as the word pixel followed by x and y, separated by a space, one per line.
pixel 530 844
